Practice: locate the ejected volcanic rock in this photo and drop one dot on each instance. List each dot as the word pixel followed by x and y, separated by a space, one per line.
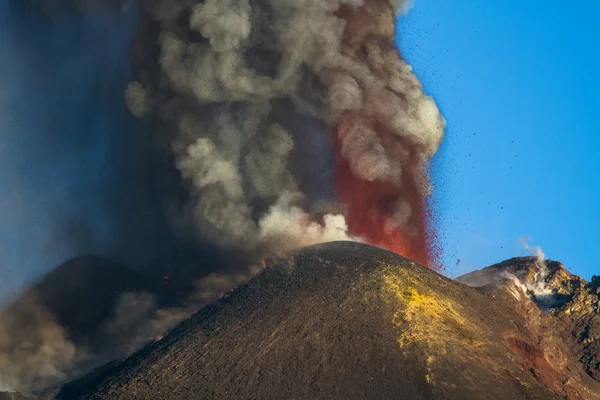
pixel 349 321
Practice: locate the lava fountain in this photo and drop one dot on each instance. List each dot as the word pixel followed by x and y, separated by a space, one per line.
pixel 388 210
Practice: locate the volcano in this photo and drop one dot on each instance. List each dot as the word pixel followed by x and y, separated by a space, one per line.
pixel 87 283
pixel 349 321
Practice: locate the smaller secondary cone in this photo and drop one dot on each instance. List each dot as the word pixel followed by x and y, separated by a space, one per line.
pixel 573 318
pixel 349 321
pixel 43 332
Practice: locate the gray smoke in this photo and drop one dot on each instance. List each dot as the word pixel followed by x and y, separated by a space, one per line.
pixel 36 351
pixel 245 95
pixel 237 88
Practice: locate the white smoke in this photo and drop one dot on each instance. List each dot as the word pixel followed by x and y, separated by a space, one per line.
pixel 287 226
pixel 539 285
pixel 518 290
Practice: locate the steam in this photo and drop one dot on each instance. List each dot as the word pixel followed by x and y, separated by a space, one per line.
pixel 536 251
pixel 223 79
pixel 518 290
pixel 538 287
pixel 528 277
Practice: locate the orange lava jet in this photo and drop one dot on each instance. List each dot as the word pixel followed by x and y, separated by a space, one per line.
pixel 370 205
pixel 389 211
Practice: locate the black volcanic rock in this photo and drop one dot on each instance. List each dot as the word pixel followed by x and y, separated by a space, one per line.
pixel 350 321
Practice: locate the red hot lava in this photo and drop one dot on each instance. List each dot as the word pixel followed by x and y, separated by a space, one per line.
pixel 371 203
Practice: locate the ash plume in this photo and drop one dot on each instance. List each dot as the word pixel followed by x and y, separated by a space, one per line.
pixel 247 96
pixel 261 103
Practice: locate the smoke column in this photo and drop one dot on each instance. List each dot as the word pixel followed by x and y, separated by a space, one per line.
pixel 280 123
pixel 256 101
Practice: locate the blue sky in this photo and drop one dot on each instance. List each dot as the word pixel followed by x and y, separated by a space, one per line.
pixel 516 81
pixel 59 126
pixel 518 84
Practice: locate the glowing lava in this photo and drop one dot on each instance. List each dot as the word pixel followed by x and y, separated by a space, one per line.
pixel 370 205
pixel 381 167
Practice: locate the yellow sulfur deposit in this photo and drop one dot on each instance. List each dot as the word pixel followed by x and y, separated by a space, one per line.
pixel 433 320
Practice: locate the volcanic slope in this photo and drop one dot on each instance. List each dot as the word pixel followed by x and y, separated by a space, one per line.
pixel 571 326
pixel 338 321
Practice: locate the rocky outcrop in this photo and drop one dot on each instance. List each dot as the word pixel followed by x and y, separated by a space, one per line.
pixel 557 306
pixel 548 283
pixel 580 319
